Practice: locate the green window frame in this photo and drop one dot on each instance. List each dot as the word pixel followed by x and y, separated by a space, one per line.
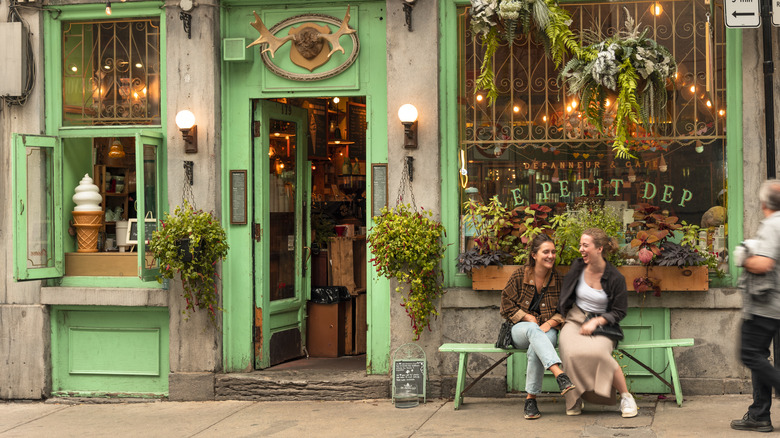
pixel 68 144
pixel 448 104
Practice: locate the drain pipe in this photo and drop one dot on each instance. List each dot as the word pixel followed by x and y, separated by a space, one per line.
pixel 769 99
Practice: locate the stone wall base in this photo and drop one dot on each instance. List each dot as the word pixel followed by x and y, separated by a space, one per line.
pixel 191 386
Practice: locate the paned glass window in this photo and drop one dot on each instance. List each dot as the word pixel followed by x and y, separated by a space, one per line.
pixel 111 72
pixel 533 145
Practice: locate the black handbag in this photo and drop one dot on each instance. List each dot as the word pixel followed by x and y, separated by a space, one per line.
pixel 505 336
pixel 612 331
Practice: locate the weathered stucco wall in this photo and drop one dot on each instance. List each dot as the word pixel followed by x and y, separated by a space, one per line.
pixel 23 322
pixel 193 84
pixel 413 77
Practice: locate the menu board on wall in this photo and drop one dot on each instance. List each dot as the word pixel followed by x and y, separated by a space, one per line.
pixel 318 134
pixel 356 120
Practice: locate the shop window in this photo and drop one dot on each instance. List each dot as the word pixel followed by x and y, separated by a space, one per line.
pixel 50 242
pixel 533 145
pixel 111 72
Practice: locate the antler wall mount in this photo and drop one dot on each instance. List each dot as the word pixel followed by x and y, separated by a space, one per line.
pixel 313 44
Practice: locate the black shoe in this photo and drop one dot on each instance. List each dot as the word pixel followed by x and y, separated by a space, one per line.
pixel 531 410
pixel 749 423
pixel 564 383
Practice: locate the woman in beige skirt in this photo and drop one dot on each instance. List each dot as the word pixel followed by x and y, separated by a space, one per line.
pixel 593 285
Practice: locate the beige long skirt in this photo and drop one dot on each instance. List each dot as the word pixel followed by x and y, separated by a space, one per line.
pixel 588 362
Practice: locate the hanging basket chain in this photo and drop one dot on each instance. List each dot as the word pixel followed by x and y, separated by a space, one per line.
pixel 405 185
pixel 186 187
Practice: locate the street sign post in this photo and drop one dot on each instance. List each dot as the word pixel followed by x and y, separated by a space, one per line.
pixel 744 13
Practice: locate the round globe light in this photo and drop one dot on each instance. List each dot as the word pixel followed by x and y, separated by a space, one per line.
pixel 185 119
pixel 407 113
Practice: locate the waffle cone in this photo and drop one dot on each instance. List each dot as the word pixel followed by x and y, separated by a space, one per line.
pixel 88 224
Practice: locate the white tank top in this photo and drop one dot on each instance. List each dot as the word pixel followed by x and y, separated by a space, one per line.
pixel 589 299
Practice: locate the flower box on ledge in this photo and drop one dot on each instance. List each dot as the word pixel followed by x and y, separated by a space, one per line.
pixel 692 278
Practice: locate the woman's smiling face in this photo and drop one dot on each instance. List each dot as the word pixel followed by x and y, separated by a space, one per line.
pixel 545 256
pixel 588 249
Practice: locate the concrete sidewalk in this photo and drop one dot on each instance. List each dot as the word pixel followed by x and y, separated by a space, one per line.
pixel 707 416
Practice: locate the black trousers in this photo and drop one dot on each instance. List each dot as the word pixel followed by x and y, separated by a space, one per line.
pixel 757 334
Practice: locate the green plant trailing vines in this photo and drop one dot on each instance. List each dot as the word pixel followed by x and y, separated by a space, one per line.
pixel 498 20
pixel 630 64
pixel 199 276
pixel 407 245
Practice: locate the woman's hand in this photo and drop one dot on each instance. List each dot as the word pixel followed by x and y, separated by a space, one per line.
pixel 546 327
pixel 590 325
pixel 530 318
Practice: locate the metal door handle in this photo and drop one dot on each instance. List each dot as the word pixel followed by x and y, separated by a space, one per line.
pixel 306 259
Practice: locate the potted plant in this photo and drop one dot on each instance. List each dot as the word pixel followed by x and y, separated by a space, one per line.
pixel 407 245
pixel 665 264
pixel 631 70
pixel 190 243
pixel 500 236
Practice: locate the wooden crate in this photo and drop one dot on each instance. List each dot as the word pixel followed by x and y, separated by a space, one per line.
pixel 348 263
pixel 104 264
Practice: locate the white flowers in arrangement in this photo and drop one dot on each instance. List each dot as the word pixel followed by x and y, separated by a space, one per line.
pixel 630 64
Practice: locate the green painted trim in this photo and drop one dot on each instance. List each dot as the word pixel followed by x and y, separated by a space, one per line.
pixel 106 282
pixel 734 146
pixel 241 83
pixel 97 11
pixel 448 108
pixel 108 319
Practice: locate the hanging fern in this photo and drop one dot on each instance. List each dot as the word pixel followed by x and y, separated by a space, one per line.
pixel 485 81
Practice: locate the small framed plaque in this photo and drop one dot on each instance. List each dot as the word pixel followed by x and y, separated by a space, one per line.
pixel 150 226
pixel 378 188
pixel 238 197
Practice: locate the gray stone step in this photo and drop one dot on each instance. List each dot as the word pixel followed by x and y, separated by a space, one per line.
pixel 302 385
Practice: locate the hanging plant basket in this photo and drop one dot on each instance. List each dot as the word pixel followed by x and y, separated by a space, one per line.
pixel 630 69
pixel 185 254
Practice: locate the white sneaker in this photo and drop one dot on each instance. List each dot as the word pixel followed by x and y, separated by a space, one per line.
pixel 577 409
pixel 628 407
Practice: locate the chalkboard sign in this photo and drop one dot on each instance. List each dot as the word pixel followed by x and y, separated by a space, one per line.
pixel 132 230
pixel 409 372
pixel 238 197
pixel 356 128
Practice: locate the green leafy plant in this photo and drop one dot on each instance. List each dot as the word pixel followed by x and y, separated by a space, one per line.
pixel 628 67
pixel 673 254
pixel 570 225
pixel 207 246
pixel 322 227
pixel 501 234
pixel 498 20
pixel 407 245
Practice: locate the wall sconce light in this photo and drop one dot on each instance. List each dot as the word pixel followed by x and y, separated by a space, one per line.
pixel 108 8
pixel 408 115
pixel 185 120
pixel 662 165
pixel 186 17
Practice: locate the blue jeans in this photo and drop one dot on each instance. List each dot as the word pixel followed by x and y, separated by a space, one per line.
pixel 757 334
pixel 541 352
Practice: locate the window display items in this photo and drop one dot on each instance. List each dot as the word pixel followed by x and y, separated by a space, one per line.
pixel 87 215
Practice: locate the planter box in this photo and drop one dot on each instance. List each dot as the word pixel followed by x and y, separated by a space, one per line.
pixel 104 264
pixel 694 278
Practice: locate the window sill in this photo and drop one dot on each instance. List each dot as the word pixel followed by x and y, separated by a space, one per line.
pixel 100 296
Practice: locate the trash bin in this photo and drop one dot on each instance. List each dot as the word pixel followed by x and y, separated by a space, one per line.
pixel 325 328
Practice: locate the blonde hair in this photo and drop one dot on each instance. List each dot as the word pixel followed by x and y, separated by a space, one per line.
pixel 601 240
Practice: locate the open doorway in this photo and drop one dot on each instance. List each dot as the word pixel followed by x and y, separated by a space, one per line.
pixel 332 324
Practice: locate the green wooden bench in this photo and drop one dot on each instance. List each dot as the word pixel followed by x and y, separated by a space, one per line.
pixel 668 344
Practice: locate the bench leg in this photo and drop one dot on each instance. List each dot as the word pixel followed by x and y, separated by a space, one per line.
pixel 675 378
pixel 462 362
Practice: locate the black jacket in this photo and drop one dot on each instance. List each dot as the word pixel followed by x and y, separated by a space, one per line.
pixel 613 283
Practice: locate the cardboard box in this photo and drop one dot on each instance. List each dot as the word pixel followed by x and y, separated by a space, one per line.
pixel 325 329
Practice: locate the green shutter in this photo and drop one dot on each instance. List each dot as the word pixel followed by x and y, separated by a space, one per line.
pixel 37 192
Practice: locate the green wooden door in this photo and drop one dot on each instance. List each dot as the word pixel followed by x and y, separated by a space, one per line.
pixel 639 324
pixel 281 247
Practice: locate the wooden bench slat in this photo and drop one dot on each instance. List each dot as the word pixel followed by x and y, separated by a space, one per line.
pixel 490 348
pixel 466 348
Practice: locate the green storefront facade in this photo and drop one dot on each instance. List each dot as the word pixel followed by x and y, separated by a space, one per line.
pixel 112 335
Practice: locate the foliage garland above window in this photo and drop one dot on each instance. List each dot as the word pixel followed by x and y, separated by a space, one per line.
pixel 631 68
pixel 499 19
